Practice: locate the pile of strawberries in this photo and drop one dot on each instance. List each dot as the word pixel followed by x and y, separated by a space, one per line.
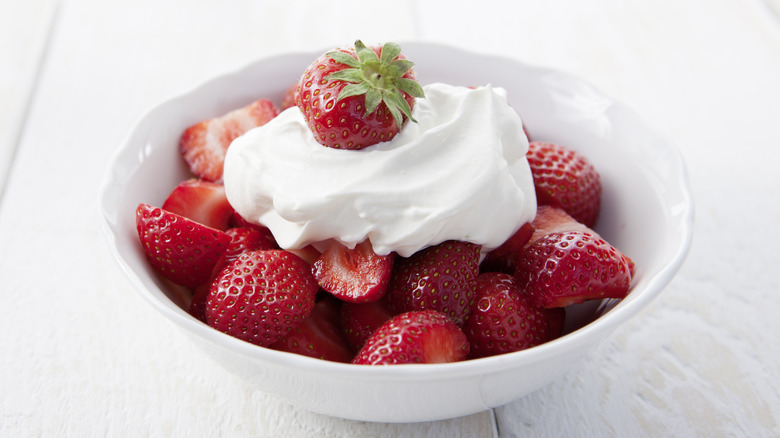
pixel 445 303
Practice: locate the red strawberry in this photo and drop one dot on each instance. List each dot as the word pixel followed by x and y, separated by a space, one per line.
pixel 205 144
pixel 572 267
pixel 357 275
pixel 197 307
pixel 566 179
pixel 415 337
pixel 503 258
pixel 261 296
pixel 319 335
pixel 354 98
pixel 556 321
pixel 202 201
pixel 244 239
pixel 550 220
pixel 236 221
pixel 503 320
pixel 288 100
pixel 360 321
pixel 180 249
pixel 441 277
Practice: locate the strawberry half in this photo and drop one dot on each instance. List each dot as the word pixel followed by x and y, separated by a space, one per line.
pixel 572 267
pixel 356 97
pixel 202 201
pixel 564 178
pixel 415 337
pixel 261 296
pixel 504 258
pixel 360 321
pixel 503 320
pixel 178 248
pixel 319 335
pixel 357 275
pixel 550 220
pixel 442 277
pixel 204 144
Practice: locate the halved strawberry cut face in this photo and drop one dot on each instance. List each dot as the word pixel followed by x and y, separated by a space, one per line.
pixel 202 201
pixel 205 144
pixel 357 275
pixel 178 248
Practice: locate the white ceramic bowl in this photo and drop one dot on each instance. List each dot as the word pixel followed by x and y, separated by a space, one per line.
pixel 647 213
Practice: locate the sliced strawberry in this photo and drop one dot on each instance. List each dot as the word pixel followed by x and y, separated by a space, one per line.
pixel 245 239
pixel 261 296
pixel 503 320
pixel 178 248
pixel 360 321
pixel 357 275
pixel 415 337
pixel 319 335
pixel 197 307
pixel 288 100
pixel 566 179
pixel 556 321
pixel 504 258
pixel 202 201
pixel 442 277
pixel 550 220
pixel 308 253
pixel 572 267
pixel 205 144
pixel 236 221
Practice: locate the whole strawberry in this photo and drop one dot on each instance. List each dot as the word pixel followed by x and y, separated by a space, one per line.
pixel 442 277
pixel 261 296
pixel 415 337
pixel 503 320
pixel 564 178
pixel 179 249
pixel 572 267
pixel 357 97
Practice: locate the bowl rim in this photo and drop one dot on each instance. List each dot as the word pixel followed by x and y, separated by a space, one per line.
pixel 594 331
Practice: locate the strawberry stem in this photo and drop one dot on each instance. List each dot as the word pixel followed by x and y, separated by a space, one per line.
pixel 379 78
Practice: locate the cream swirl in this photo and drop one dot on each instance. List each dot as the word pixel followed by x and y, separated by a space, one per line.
pixel 459 173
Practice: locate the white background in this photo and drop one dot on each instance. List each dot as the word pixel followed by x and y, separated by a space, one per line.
pixel 82 355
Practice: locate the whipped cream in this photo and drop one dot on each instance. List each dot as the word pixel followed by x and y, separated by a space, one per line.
pixel 459 173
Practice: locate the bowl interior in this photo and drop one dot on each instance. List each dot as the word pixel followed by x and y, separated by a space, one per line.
pixel 647 208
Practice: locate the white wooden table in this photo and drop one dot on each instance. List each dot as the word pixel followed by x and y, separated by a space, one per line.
pixel 82 355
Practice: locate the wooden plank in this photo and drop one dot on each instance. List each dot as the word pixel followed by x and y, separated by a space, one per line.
pixel 24 33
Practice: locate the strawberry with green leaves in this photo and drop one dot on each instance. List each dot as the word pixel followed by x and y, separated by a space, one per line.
pixel 356 97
